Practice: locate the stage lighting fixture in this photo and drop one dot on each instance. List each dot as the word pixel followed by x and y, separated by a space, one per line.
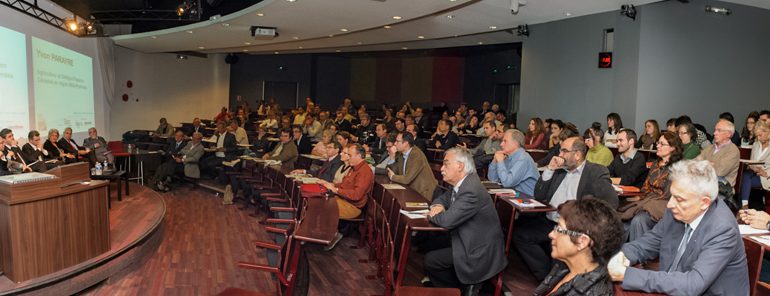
pixel 522 30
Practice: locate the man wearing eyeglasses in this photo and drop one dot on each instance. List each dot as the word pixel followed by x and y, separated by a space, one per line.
pixel 723 154
pixel 411 167
pixel 285 151
pixel 568 176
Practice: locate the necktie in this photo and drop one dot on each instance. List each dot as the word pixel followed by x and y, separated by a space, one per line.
pixel 452 197
pixel 323 168
pixel 682 248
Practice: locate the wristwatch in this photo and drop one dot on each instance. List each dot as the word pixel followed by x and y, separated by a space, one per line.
pixel 768 225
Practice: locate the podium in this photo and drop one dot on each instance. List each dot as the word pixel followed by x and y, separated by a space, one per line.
pixel 49 225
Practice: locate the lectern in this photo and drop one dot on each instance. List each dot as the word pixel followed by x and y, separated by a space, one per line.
pixel 52 222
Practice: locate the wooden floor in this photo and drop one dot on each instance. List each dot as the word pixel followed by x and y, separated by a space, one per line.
pixel 203 240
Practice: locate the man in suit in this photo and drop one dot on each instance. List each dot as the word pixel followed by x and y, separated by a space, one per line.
pixel 34 154
pixel 568 176
pixel 444 138
pixel 301 140
pixel 342 123
pixel 477 251
pixel 387 157
pixel 697 241
pixel 285 151
pixel 197 127
pixel 422 121
pixel 12 152
pixel 723 154
pixel 333 162
pixel 172 153
pixel 364 130
pixel 411 167
pixel 377 144
pixel 69 145
pixel 418 142
pixel 99 145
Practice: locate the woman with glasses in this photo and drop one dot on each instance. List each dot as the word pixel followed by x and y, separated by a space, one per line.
pixel 687 133
pixel 588 234
pixel 643 212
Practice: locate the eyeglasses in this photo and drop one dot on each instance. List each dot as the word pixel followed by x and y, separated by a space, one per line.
pixel 659 143
pixel 565 151
pixel 564 231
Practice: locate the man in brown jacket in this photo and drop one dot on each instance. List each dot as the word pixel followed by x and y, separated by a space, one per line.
pixel 723 154
pixel 285 151
pixel 411 167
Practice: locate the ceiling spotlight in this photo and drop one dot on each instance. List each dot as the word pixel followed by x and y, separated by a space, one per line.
pixel 247 43
pixel 493 27
pixel 344 30
pixel 276 51
pixel 480 43
pixel 719 10
pixel 295 37
pixel 522 30
pixel 72 25
pixel 181 57
pixel 567 14
pixel 189 31
pixel 405 48
pixel 300 47
pixel 260 14
pixel 154 37
pixel 628 10
pixel 245 50
pixel 291 0
pixel 420 37
pixel 180 10
pixel 395 17
pixel 359 43
pixel 450 16
pixel 386 27
pixel 201 47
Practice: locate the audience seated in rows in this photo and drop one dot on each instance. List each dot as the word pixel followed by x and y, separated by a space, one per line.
pixel 443 138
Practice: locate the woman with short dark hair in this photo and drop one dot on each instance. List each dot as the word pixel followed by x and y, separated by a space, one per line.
pixel 588 234
pixel 687 133
pixel 614 125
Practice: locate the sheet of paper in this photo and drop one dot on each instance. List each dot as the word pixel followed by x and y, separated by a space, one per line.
pixel 392 186
pixel 501 190
pixel 414 214
pixel 746 229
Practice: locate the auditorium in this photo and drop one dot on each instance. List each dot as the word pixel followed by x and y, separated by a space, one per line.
pixel 384 147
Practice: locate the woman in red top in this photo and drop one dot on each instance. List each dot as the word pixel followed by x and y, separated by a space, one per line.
pixel 535 137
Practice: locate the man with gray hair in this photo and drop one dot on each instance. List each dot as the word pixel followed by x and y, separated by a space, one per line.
pixel 476 252
pixel 697 241
pixel 723 154
pixel 512 166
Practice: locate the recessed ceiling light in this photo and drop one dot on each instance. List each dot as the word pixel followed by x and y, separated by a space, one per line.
pixel 201 47
pixel 331 35
pixel 291 0
pixel 344 30
pixel 492 27
pixel 405 48
pixel 337 50
pixel 567 14
pixel 225 24
pixel 386 27
pixel 189 31
pixel 480 43
pixel 154 37
pixel 420 37
pixel 247 43
pixel 260 14
pixel 450 16
pixel 295 37
pixel 245 50
pixel 359 43
pixel 300 47
pixel 452 0
pixel 395 17
pixel 276 52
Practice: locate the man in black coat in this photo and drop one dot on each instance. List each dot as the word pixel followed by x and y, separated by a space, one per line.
pixel 568 176
pixel 444 138
pixel 225 148
pixel 377 143
pixel 302 140
pixel 327 170
pixel 35 156
pixel 477 251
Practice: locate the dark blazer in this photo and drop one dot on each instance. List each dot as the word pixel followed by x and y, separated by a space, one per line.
pixel 31 155
pixel 173 149
pixel 67 147
pixel 364 133
pixel 344 125
pixel 478 250
pixel 714 262
pixel 377 145
pixel 230 145
pixel 632 173
pixel 189 130
pixel 423 123
pixel 288 155
pixel 53 151
pixel 304 146
pixel 327 170
pixel 596 282
pixel 595 180
pixel 551 153
pixel 447 141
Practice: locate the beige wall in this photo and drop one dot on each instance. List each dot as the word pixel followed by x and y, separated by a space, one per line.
pixel 166 87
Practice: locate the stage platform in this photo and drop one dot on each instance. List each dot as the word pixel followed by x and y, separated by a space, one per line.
pixel 136 230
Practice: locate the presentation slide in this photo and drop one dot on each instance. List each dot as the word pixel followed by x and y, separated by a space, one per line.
pixel 63 88
pixel 14 106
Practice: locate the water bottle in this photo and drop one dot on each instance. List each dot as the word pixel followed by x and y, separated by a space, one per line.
pixel 105 166
pixel 98 169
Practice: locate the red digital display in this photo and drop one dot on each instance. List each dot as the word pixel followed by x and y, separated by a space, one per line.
pixel 605 60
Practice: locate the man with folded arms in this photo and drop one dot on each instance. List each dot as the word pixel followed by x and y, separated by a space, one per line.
pixel 512 166
pixel 697 241
pixel 352 192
